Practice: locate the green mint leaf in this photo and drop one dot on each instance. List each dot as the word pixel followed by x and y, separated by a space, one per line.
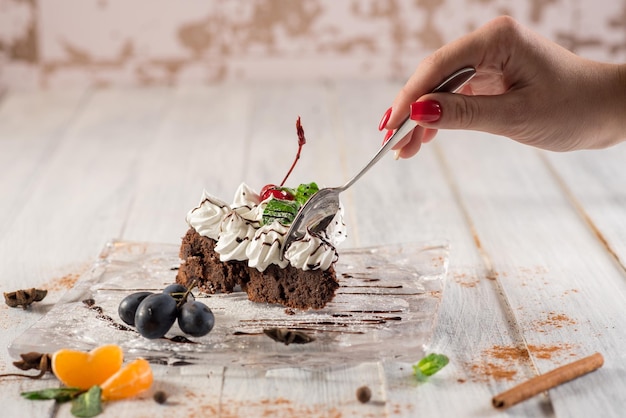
pixel 88 404
pixel 284 211
pixel 57 394
pixel 304 192
pixel 429 365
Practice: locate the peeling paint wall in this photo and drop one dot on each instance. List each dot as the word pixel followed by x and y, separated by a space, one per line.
pixel 64 43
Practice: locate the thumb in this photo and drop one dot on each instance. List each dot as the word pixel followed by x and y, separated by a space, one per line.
pixel 498 114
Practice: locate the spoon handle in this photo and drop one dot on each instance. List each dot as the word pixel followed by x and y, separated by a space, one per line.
pixel 450 85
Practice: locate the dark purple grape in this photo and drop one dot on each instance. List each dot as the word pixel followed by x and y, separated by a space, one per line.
pixel 155 315
pixel 128 306
pixel 195 319
pixel 174 288
pixel 177 290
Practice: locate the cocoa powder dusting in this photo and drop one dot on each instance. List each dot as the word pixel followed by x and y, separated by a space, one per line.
pixel 464 280
pixel 485 370
pixel 545 352
pixel 499 362
pixel 63 283
pixel 266 407
pixel 553 320
pixel 507 353
pixel 503 362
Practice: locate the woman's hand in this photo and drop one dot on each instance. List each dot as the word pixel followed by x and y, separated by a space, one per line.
pixel 526 88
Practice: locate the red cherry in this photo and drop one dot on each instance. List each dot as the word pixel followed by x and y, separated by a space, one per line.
pixel 265 191
pixel 271 190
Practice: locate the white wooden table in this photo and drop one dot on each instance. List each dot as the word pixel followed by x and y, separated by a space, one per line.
pixel 536 277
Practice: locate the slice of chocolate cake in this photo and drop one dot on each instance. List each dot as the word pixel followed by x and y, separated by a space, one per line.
pixel 239 245
pixel 202 263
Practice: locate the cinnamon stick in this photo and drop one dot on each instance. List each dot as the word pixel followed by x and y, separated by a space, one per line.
pixel 547 381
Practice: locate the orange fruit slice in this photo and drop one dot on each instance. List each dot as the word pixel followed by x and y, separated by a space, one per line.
pixel 129 381
pixel 84 370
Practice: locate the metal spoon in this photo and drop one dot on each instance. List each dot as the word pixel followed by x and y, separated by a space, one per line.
pixel 321 208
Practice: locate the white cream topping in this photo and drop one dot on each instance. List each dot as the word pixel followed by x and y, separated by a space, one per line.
pixel 246 203
pixel 264 249
pixel 235 235
pixel 311 253
pixel 207 217
pixel 240 236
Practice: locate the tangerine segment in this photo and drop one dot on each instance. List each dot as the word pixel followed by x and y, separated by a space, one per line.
pixel 134 378
pixel 84 370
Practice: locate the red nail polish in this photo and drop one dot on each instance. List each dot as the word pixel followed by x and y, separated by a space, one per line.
pixel 384 120
pixel 426 111
pixel 387 135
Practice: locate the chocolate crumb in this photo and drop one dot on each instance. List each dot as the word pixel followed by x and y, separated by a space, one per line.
pixel 290 311
pixel 364 394
pixel 89 302
pixel 98 309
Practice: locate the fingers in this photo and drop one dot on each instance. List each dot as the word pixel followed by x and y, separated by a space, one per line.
pixel 411 144
pixel 526 88
pixel 497 105
pixel 475 50
pixel 500 114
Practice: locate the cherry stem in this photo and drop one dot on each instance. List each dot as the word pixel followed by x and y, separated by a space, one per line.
pixel 301 142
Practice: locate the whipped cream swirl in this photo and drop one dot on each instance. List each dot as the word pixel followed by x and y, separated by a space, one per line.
pixel 239 235
pixel 236 234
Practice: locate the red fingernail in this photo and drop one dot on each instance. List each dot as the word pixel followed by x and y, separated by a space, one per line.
pixel 384 120
pixel 387 135
pixel 426 111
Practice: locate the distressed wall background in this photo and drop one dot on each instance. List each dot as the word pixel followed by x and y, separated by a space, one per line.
pixel 64 43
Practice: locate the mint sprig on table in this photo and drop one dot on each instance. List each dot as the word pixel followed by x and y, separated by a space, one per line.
pixel 429 365
pixel 88 404
pixel 85 404
pixel 58 394
pixel 285 211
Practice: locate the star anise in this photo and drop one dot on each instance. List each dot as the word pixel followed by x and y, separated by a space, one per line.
pixel 32 360
pixel 24 297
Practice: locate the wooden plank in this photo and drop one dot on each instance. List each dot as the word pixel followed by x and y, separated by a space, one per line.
pixel 270 149
pixel 215 138
pixel 593 181
pixel 133 161
pixel 86 186
pixel 191 391
pixel 415 201
pixel 300 392
pixel 79 189
pixel 31 127
pixel 549 264
pixel 201 144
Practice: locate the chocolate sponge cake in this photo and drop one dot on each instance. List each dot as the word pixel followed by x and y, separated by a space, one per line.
pixel 202 263
pixel 239 245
